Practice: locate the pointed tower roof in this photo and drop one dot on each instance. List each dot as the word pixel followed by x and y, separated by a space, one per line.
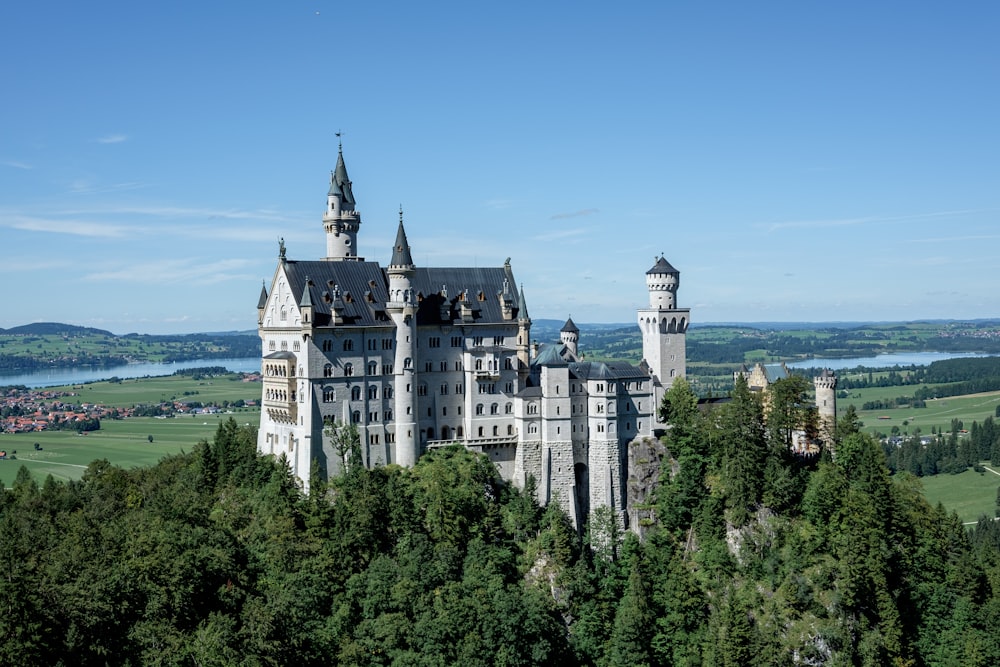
pixel 401 249
pixel 340 184
pixel 522 306
pixel 570 327
pixel 306 301
pixel 662 266
pixel 262 301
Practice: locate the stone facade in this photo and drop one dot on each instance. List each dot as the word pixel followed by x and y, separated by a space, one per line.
pixel 420 357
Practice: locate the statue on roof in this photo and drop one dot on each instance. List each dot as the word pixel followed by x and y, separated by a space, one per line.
pixel 281 248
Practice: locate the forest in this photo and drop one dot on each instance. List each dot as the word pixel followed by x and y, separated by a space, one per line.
pixel 754 556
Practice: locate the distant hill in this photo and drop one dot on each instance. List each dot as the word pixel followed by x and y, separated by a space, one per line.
pixel 54 329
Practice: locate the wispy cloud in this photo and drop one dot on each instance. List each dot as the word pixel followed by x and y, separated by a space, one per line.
pixel 176 271
pixel 842 222
pixel 499 204
pixel 112 139
pixel 63 226
pixel 575 214
pixel 16 164
pixel 953 239
pixel 563 234
pixel 83 187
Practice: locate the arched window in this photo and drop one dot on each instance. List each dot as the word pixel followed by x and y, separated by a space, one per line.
pixel 355 393
pixel 494 409
pixel 508 408
pixel 348 369
pixel 372 368
pixel 373 392
pixel 348 345
pixel 479 364
pixel 479 408
pixel 327 370
pixel 356 417
pixel 459 432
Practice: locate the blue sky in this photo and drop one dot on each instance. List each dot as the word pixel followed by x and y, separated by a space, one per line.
pixel 795 161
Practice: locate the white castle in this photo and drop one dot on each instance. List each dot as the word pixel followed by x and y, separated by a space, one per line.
pixel 421 357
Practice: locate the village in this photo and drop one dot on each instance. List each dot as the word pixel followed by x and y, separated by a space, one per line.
pixel 27 410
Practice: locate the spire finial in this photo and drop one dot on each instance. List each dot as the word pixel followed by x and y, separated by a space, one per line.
pixel 400 214
pixel 340 142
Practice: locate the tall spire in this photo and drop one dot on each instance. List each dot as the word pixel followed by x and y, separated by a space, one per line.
pixel 401 249
pixel 340 184
pixel 522 306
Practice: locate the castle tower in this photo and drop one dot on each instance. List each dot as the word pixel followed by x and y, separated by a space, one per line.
pixel 570 336
pixel 340 221
pixel 402 309
pixel 826 405
pixel 664 328
pixel 523 339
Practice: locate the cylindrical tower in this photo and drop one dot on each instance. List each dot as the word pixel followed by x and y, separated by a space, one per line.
pixel 402 309
pixel 662 282
pixel 826 404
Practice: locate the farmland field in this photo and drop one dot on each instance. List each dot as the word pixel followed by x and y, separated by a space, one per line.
pixel 970 494
pixel 153 390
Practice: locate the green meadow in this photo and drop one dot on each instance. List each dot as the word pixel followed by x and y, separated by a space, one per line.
pixel 938 412
pixel 152 390
pixel 969 494
pixel 65 454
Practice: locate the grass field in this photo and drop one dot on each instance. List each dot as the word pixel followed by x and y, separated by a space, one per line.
pixel 971 494
pixel 938 412
pixel 171 387
pixel 125 443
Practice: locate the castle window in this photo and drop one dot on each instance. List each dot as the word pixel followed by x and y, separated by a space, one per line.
pixel 430 412
pixel 329 395
pixel 407 363
pixel 494 409
pixel 388 415
pixel 356 417
pixel 600 428
pixel 387 393
pixel 509 387
pixel 270 346
pixel 459 388
pixel 673 372
pixel 386 369
pixel 355 393
pixel 421 389
pixel 371 343
pixel 479 408
pixel 477 340
pixel 480 431
pixel 532 428
pixel 328 370
pixel 444 411
pixel 327 345
pixel 496 430
pixel 444 389
pixel 348 345
pixel 459 432
pixel 508 408
pixel 373 416
pixel 372 368
pixel 434 341
pixel 348 369
pixel 386 343
pixel 444 366
pixel 284 346
pixel 295 346
pixel 479 364
pixel 508 364
pixel 510 429
pixel 284 314
pixel 456 341
pixel 373 392
pixel 428 366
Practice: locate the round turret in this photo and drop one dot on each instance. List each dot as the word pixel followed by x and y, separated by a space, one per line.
pixel 662 282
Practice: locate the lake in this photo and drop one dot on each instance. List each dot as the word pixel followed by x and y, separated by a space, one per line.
pixel 883 360
pixel 57 377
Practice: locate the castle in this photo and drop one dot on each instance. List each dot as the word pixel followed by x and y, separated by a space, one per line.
pixel 424 357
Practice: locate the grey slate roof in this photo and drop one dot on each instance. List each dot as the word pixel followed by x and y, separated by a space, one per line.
pixel 401 249
pixel 775 372
pixel 662 266
pixel 262 301
pixel 340 184
pixel 597 370
pixel 364 290
pixel 570 327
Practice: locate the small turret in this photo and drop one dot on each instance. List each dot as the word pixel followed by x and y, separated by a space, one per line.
pixel 570 336
pixel 826 404
pixel 340 221
pixel 306 304
pixel 261 303
pixel 662 282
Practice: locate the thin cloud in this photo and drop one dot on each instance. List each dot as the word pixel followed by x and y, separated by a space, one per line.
pixel 112 139
pixel 17 164
pixel 167 272
pixel 950 239
pixel 841 222
pixel 63 226
pixel 86 188
pixel 575 214
pixel 562 234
